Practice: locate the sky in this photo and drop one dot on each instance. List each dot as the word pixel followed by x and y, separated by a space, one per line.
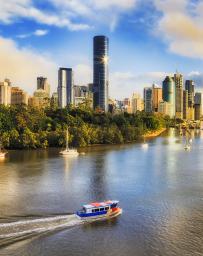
pixel 149 39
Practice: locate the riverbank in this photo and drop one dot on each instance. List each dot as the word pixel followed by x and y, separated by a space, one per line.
pixel 153 134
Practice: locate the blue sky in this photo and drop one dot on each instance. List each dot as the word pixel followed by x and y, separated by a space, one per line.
pixel 148 39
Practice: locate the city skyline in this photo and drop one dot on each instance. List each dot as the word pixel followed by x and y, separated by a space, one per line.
pixel 140 51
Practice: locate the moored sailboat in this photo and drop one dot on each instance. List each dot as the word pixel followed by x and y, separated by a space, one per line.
pixel 69 151
pixel 2 152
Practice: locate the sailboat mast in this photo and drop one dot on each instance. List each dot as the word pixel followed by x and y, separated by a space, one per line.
pixel 67 139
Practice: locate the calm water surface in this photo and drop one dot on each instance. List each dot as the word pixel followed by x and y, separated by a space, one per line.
pixel 160 190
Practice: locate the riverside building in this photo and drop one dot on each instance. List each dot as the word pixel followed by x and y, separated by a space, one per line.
pixel 185 105
pixel 190 87
pixel 65 87
pixel 178 79
pixel 5 92
pixel 169 93
pixel 18 96
pixel 43 84
pixel 148 95
pixel 198 105
pixel 137 103
pixel 156 97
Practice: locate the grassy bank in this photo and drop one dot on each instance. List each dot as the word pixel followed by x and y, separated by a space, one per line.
pixel 152 134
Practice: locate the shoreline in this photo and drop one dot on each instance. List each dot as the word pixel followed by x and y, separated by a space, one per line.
pixel 154 134
pixel 148 135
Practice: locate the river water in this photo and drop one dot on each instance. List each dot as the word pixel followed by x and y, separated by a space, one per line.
pixel 160 190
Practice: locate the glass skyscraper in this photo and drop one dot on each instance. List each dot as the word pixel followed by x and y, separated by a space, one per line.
pixel 101 73
pixel 148 96
pixel 169 93
pixel 190 87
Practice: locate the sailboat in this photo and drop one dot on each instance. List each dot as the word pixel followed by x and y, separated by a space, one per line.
pixel 187 145
pixel 145 145
pixel 69 151
pixel 2 152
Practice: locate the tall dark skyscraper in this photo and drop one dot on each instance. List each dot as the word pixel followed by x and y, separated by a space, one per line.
pixel 178 79
pixel 185 104
pixel 101 73
pixel 190 87
pixel 148 99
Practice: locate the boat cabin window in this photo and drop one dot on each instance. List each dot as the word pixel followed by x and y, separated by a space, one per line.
pixel 113 206
pixel 94 210
pixel 101 209
pixel 106 208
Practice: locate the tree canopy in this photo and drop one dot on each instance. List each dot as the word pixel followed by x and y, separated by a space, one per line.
pixel 24 127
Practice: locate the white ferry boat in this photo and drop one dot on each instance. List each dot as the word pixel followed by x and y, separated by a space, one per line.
pixel 96 211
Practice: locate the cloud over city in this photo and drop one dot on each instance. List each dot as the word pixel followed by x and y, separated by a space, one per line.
pixel 181 26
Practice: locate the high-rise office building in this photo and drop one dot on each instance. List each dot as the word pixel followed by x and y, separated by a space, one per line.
pixel 198 105
pixel 5 92
pixel 178 79
pixel 43 84
pixel 165 108
pixel 169 93
pixel 18 96
pixel 185 104
pixel 148 95
pixel 65 87
pixel 40 99
pixel 127 105
pixel 101 73
pixel 190 87
pixel 156 97
pixel 136 103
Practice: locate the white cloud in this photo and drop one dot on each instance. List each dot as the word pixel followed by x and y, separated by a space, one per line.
pixel 105 11
pixel 64 12
pixel 12 10
pixel 181 26
pixel 124 84
pixel 22 66
pixel 41 32
pixel 38 32
pixel 197 77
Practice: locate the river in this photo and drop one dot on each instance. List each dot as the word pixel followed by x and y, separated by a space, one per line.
pixel 160 189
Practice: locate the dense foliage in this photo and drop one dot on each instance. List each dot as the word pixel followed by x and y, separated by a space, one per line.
pixel 26 127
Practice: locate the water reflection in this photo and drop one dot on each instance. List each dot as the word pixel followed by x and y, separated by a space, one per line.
pixel 97 174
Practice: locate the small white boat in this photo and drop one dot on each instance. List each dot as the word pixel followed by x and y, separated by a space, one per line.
pixel 187 147
pixel 69 151
pixel 3 154
pixel 145 145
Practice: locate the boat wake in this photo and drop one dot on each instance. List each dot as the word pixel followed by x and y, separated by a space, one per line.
pixel 29 227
